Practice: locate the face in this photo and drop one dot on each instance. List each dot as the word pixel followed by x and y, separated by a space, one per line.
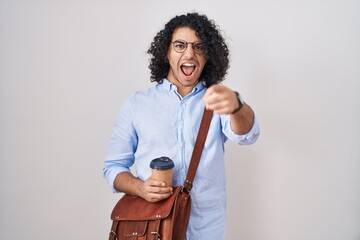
pixel 185 67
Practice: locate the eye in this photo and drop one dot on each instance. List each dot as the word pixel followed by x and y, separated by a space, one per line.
pixel 179 45
pixel 199 47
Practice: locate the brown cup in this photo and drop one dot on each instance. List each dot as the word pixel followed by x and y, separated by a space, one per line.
pixel 162 170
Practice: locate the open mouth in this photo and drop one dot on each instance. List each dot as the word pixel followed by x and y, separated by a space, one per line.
pixel 187 68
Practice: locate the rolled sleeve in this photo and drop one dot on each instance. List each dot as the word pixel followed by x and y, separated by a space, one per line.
pixel 112 168
pixel 244 139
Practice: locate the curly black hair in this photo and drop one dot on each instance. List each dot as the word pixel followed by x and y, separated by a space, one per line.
pixel 216 50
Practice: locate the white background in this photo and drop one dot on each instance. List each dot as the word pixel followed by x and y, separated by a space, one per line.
pixel 66 66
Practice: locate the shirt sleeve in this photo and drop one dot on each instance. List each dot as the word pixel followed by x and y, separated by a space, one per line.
pixel 244 139
pixel 120 151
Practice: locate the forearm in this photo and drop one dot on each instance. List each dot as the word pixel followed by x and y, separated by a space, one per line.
pixel 126 182
pixel 242 121
pixel 150 189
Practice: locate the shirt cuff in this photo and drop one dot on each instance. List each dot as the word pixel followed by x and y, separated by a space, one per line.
pixel 110 174
pixel 243 139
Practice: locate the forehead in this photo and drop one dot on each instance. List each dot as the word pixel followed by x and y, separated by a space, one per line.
pixel 185 33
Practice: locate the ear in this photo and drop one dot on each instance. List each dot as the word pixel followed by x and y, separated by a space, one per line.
pixel 167 56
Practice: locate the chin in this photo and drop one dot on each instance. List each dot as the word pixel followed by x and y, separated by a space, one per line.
pixel 189 83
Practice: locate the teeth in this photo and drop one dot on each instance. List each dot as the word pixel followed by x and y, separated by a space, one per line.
pixel 189 64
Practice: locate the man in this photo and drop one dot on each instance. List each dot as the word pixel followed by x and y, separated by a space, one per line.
pixel 189 60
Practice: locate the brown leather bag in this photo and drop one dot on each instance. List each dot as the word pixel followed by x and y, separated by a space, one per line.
pixel 134 218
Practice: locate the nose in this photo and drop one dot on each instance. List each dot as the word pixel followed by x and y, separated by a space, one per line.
pixel 189 50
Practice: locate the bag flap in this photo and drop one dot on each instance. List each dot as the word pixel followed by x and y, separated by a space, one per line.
pixel 136 208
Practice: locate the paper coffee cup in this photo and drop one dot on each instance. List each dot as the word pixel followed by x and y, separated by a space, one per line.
pixel 162 170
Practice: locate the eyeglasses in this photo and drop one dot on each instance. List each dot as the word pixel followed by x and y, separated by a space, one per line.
pixel 180 46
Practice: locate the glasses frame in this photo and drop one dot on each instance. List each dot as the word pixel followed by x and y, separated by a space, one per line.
pixel 194 46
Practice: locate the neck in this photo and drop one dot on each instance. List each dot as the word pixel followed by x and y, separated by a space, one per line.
pixel 182 89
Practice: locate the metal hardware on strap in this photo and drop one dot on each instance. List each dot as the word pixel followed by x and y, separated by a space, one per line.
pixel 113 235
pixel 157 235
pixel 187 187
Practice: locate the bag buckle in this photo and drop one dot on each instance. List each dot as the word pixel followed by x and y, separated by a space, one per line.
pixel 113 235
pixel 187 187
pixel 157 235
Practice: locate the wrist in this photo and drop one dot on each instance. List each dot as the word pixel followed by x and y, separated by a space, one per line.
pixel 240 102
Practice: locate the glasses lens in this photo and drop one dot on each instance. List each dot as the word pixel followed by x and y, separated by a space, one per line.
pixel 198 47
pixel 179 46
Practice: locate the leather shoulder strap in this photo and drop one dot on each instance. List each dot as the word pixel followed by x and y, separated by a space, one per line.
pixel 198 148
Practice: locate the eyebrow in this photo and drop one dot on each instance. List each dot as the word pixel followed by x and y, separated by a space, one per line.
pixel 181 40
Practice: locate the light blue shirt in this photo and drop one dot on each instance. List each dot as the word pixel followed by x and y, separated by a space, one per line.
pixel 159 122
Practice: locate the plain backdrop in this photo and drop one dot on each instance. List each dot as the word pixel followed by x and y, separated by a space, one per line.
pixel 66 66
